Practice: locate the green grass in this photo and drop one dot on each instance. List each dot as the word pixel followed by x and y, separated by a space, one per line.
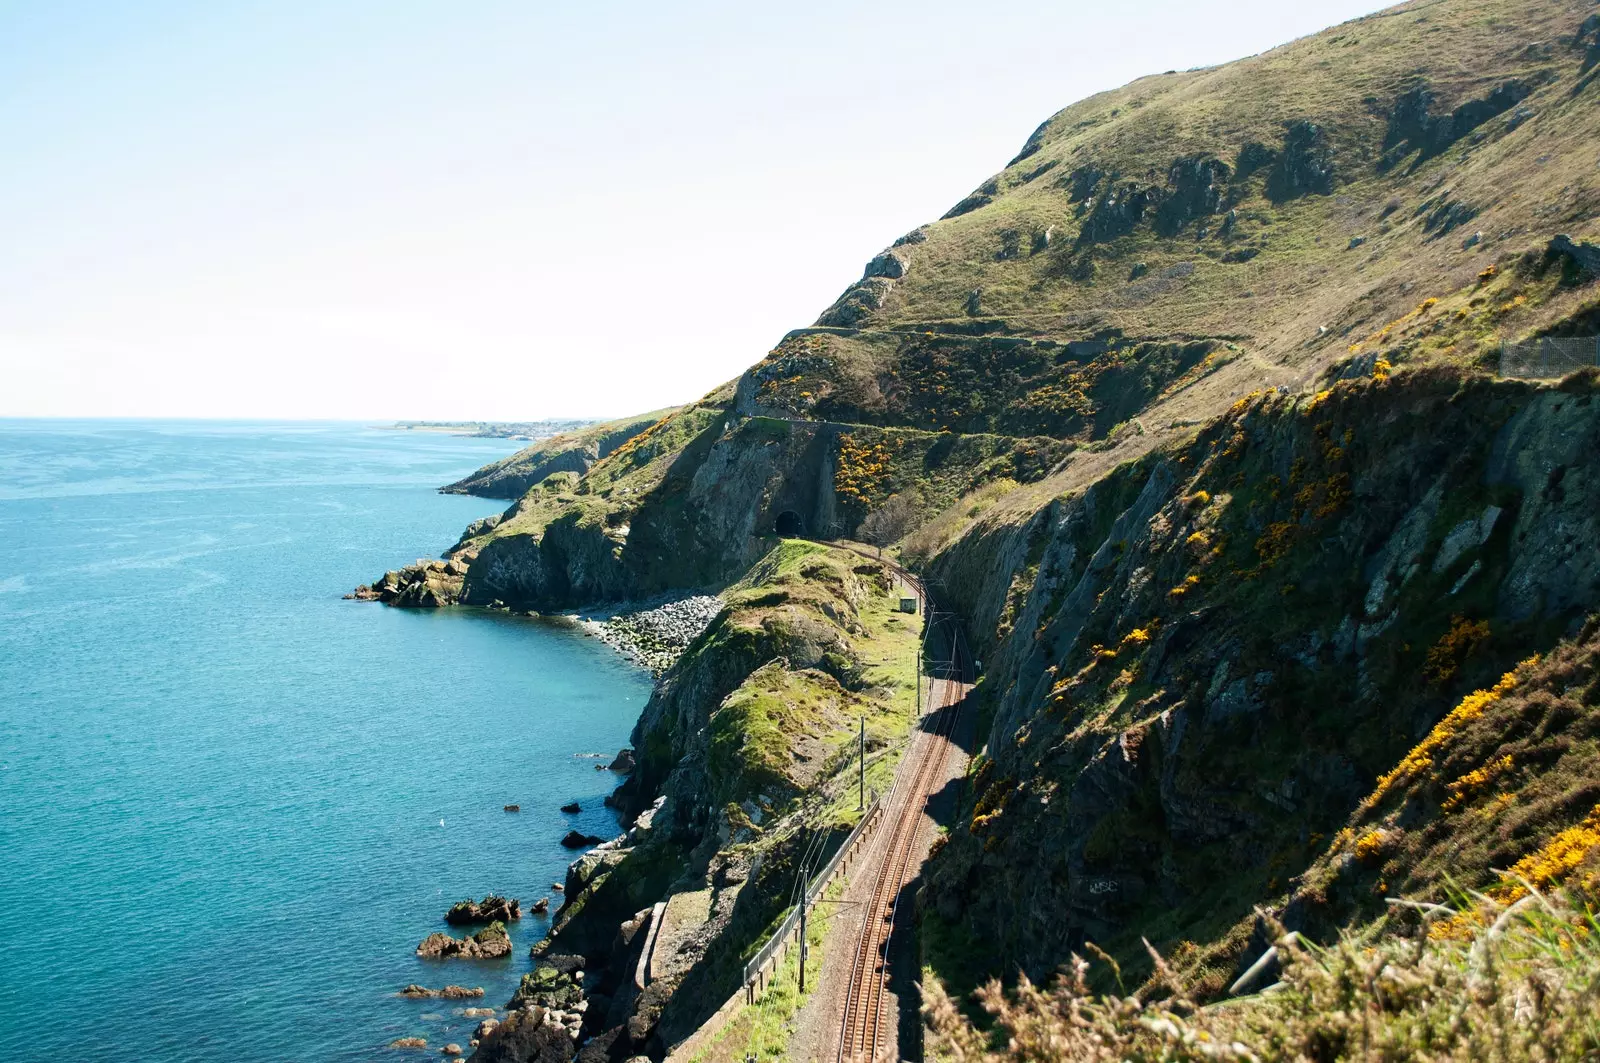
pixel 763 1031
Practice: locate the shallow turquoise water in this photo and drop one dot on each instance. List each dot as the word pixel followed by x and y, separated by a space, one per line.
pixel 222 787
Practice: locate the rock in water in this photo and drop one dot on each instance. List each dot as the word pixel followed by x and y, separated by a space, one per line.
pixel 449 992
pixel 492 909
pixel 409 1042
pixel 513 808
pixel 541 906
pixel 451 1049
pixel 577 840
pixel 625 762
pixel 490 943
pixel 571 807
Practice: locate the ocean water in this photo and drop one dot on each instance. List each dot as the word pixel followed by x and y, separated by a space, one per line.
pixel 231 804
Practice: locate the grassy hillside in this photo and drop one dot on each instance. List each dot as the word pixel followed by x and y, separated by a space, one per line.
pixel 1191 413
pixel 574 452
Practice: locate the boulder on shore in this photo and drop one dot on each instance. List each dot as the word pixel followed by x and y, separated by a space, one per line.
pixel 490 943
pixel 577 840
pixel 492 909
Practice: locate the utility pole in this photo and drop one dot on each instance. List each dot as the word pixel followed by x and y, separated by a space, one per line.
pixel 805 898
pixel 918 678
pixel 861 768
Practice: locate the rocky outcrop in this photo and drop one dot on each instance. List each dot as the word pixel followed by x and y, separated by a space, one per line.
pixel 1581 261
pixel 1411 128
pixel 1116 211
pixel 1195 189
pixel 492 909
pixel 577 839
pixel 529 1035
pixel 425 585
pixel 858 303
pixel 1304 165
pixel 490 943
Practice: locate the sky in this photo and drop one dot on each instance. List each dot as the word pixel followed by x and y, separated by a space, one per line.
pixel 502 209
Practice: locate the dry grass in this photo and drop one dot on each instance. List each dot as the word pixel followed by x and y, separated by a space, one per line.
pixel 1526 986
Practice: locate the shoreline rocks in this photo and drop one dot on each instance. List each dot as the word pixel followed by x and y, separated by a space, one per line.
pixel 655 635
pixel 449 992
pixel 577 840
pixel 490 943
pixel 492 909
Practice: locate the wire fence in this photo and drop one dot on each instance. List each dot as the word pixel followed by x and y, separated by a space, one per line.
pixel 812 888
pixel 1549 356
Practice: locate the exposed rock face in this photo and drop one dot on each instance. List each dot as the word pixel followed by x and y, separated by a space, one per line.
pixel 1195 188
pixel 492 909
pixel 525 1036
pixel 1305 164
pixel 425 585
pixel 1412 129
pixel 1582 260
pixel 489 943
pixel 1116 211
pixel 1263 696
pixel 891 264
pixel 858 303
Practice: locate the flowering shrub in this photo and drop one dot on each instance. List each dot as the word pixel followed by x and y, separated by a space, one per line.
pixel 1524 986
pixel 1421 758
pixel 1453 648
pixel 861 471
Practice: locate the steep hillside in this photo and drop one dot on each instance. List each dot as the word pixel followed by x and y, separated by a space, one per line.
pixel 1198 665
pixel 1193 414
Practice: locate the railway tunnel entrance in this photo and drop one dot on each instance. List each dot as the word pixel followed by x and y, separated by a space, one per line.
pixel 789 525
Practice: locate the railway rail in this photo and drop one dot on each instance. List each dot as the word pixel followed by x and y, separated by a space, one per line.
pixel 867 1004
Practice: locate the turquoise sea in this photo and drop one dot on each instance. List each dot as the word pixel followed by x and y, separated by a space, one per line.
pixel 231 804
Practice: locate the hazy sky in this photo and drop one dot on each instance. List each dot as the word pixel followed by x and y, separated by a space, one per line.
pixel 389 209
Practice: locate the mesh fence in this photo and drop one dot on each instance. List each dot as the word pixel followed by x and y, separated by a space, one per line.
pixel 1549 356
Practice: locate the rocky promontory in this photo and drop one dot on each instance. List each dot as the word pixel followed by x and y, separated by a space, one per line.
pixel 426 584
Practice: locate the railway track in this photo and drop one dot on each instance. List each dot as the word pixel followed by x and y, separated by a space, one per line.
pixel 866 998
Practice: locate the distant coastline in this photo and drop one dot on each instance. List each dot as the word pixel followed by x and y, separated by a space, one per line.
pixel 528 430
